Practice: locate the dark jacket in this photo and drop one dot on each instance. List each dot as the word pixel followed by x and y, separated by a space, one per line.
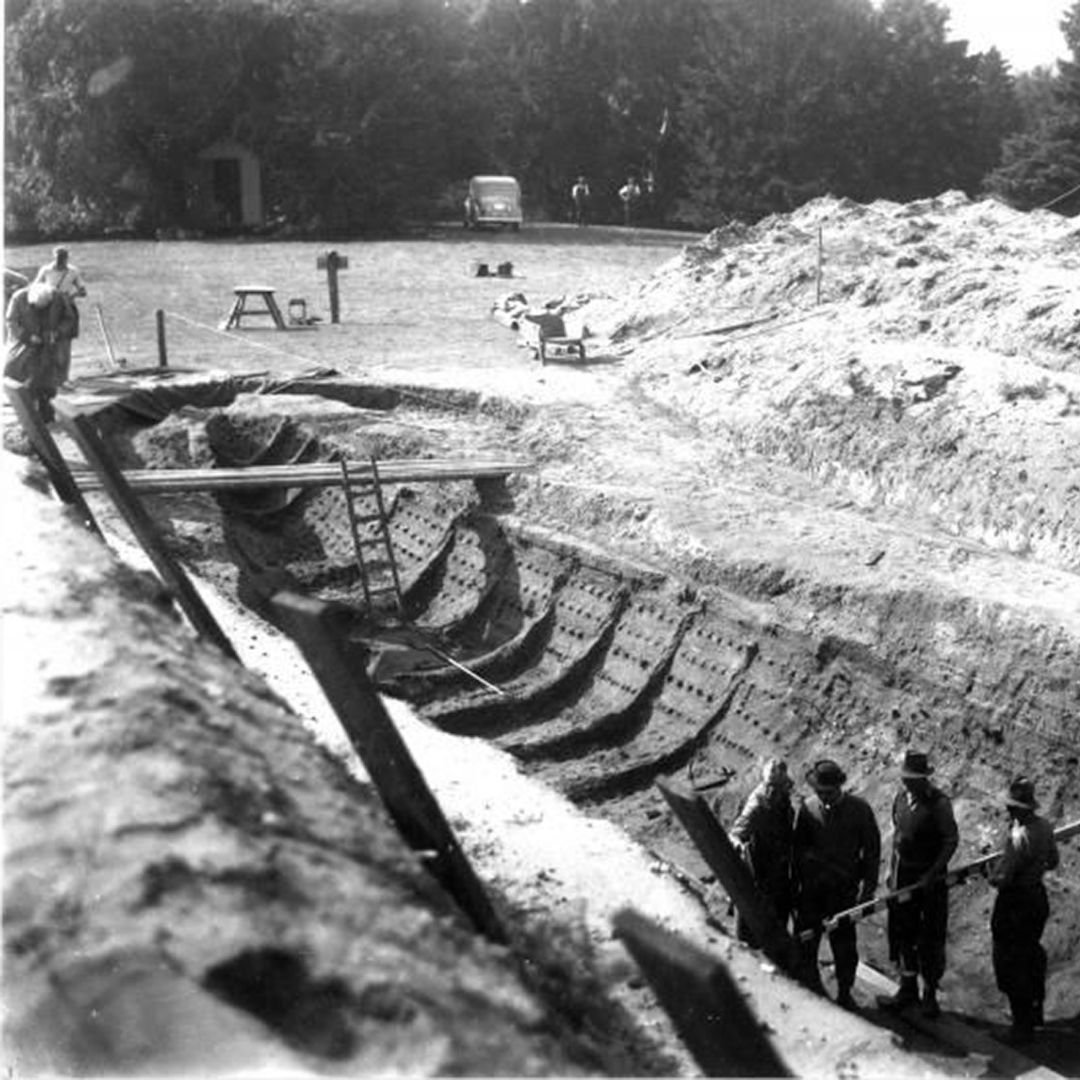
pixel 837 849
pixel 764 830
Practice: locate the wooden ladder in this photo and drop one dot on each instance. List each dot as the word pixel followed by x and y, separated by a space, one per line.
pixel 375 513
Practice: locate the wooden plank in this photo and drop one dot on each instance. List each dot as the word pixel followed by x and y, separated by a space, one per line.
pixel 711 1016
pixel 957 876
pixel 724 861
pixel 81 429
pixel 1003 1060
pixel 379 745
pixel 41 440
pixel 316 474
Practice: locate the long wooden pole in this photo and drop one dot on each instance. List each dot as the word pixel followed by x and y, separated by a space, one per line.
pixel 384 753
pixel 316 474
pixel 724 861
pixel 951 878
pixel 133 511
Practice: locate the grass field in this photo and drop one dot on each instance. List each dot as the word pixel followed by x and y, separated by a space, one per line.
pixel 409 302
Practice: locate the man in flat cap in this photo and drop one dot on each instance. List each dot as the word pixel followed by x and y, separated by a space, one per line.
pixel 924 840
pixel 837 856
pixel 1021 909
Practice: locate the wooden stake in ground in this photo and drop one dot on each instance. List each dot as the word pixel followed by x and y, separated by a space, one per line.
pixel 332 262
pixel 380 747
pixel 697 992
pixel 81 429
pixel 43 443
pixel 723 860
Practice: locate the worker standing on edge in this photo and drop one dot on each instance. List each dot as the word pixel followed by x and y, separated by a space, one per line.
pixel 837 857
pixel 925 838
pixel 68 282
pixel 1021 910
pixel 762 833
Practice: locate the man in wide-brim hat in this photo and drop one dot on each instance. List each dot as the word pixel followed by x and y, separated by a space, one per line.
pixel 836 859
pixel 924 840
pixel 1021 909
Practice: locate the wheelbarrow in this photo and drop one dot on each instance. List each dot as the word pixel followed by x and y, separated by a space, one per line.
pixel 546 335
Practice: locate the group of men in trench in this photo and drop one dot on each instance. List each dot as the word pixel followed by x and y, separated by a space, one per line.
pixel 823 857
pixel 41 321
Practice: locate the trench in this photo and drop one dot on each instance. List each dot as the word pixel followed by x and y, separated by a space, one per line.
pixel 612 673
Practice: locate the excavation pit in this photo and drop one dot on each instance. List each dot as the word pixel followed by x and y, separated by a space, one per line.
pixel 613 671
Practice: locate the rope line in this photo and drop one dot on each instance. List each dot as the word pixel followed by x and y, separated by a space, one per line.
pixel 232 337
pixel 1059 198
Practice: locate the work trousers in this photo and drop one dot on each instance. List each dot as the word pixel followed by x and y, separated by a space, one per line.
pixel 1016 927
pixel 811 909
pixel 918 929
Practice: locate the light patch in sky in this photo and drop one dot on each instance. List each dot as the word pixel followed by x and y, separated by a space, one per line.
pixel 1026 32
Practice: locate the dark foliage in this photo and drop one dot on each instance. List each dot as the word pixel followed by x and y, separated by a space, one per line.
pixel 367 114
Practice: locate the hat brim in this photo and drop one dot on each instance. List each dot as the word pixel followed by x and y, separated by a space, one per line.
pixel 826 785
pixel 911 774
pixel 1033 805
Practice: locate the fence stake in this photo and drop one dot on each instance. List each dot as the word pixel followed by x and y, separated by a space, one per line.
pixel 163 358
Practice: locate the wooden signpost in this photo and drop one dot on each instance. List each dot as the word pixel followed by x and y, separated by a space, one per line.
pixel 332 262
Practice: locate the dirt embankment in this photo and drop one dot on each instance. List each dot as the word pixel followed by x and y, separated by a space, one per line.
pixel 193 885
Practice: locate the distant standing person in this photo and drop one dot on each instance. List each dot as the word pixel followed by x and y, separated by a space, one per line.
pixel 630 194
pixel 67 281
pixel 763 835
pixel 579 196
pixel 925 838
pixel 837 856
pixel 1021 909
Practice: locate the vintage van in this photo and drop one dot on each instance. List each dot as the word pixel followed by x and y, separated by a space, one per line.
pixel 493 200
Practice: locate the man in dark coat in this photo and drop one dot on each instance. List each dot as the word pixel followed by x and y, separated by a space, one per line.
pixel 924 840
pixel 39 322
pixel 837 856
pixel 1021 909
pixel 763 833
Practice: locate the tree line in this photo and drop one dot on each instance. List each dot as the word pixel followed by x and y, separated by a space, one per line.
pixel 367 114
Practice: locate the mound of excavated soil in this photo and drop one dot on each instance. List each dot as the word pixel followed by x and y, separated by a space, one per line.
pixel 921 357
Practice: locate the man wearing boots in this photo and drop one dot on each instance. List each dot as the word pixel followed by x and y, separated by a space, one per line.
pixel 837 856
pixel 1021 910
pixel 924 840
